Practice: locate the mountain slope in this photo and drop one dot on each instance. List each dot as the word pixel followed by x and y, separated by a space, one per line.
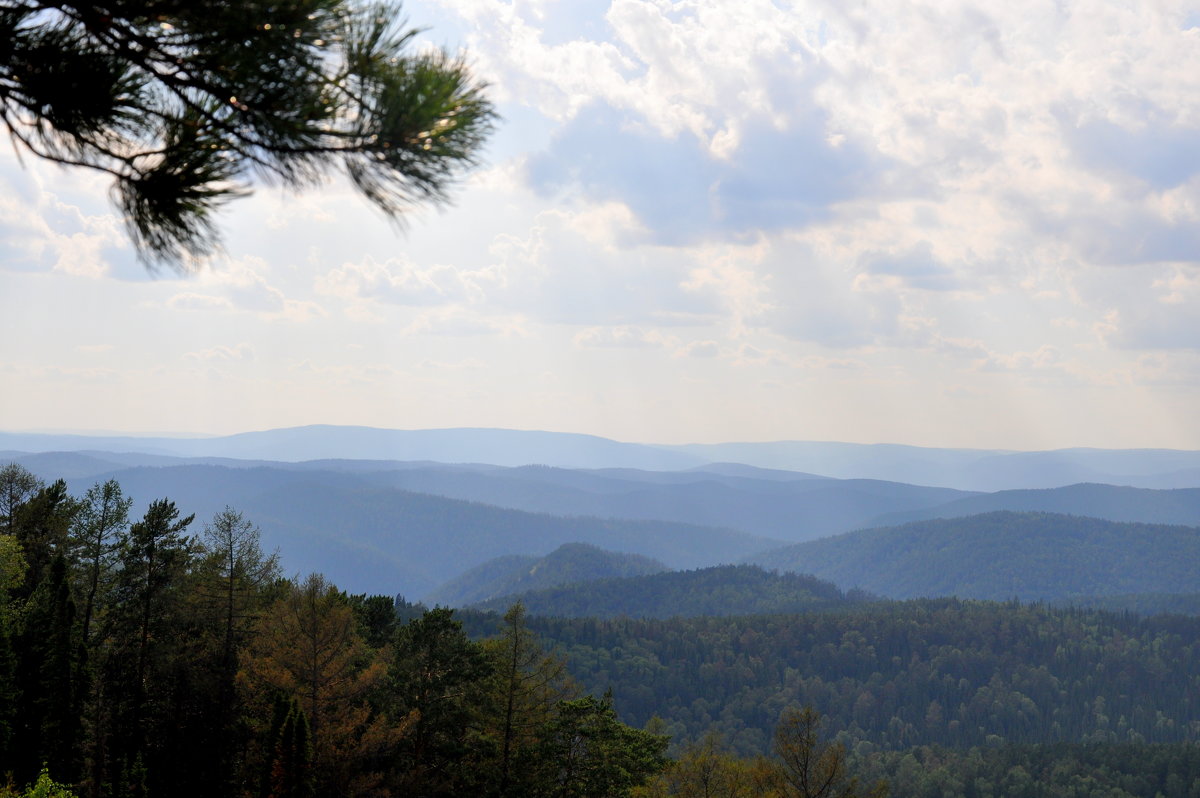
pixel 1002 555
pixel 569 563
pixel 1110 502
pixel 718 591
pixel 386 540
pixel 965 469
pixel 801 508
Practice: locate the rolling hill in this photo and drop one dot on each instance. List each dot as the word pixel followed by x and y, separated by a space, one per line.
pixel 569 563
pixel 1004 555
pixel 1110 502
pixel 386 540
pixel 717 591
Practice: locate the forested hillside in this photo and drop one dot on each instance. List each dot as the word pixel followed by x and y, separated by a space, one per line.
pixel 164 656
pixel 568 564
pixel 898 674
pixel 160 654
pixel 386 540
pixel 721 590
pixel 1031 556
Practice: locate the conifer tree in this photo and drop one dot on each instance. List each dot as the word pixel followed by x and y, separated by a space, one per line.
pixel 437 677
pixel 184 103
pixel 103 516
pixel 48 710
pixel 17 484
pixel 291 764
pixel 526 685
pixel 307 646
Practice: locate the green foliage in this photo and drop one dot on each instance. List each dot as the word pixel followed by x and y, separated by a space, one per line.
pixel 938 697
pixel 437 678
pixel 1062 770
pixel 1003 555
pixel 41 524
pixel 377 617
pixel 514 575
pixel 17 484
pixel 526 685
pixel 44 787
pixel 291 762
pixel 585 752
pixel 12 570
pixel 897 674
pixel 183 103
pixel 723 590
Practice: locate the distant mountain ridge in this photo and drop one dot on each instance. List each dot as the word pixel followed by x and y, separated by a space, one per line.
pixel 963 469
pixel 966 469
pixel 1110 502
pixel 465 445
pixel 347 525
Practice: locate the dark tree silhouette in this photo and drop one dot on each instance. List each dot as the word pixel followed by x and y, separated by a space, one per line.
pixel 183 102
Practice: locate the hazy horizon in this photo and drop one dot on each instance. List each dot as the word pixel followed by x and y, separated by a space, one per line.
pixel 100 433
pixel 716 222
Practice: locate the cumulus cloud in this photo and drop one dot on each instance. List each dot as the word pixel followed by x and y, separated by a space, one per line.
pixel 399 281
pixel 242 285
pixel 701 349
pixel 620 337
pixel 460 321
pixel 241 351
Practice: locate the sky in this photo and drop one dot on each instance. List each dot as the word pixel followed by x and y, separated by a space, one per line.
pixel 933 223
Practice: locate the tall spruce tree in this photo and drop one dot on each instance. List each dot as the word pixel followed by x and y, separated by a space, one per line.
pixel 291 773
pixel 48 706
pixel 438 678
pixel 183 103
pixel 146 631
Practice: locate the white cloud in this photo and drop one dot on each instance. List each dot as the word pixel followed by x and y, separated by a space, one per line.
pixel 241 351
pixel 399 281
pixel 621 337
pixel 460 321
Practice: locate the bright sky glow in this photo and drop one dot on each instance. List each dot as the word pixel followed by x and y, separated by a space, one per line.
pixel 940 223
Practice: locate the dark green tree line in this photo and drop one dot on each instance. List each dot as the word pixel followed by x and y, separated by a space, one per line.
pixel 193 669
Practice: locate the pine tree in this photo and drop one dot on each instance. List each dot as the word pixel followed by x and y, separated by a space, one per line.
pixel 102 517
pixel 291 764
pixel 437 678
pixel 48 710
pixel 183 103
pixel 17 485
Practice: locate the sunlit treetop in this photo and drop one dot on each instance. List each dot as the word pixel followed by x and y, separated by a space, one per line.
pixel 187 102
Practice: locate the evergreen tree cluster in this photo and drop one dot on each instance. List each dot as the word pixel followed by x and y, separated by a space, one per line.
pixel 138 658
pixel 893 674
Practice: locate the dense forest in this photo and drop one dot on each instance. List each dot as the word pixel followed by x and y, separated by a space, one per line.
pixel 1003 555
pixel 139 659
pixel 163 655
pixel 898 674
pixel 570 563
pixel 721 590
